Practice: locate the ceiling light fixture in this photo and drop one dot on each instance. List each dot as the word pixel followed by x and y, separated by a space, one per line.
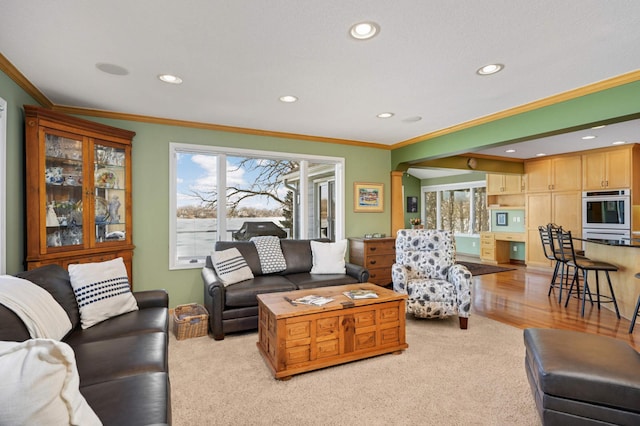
pixel 385 115
pixel 170 78
pixel 364 30
pixel 112 69
pixel 490 69
pixel 510 151
pixel 619 143
pixel 288 99
pixel 588 137
pixel 540 154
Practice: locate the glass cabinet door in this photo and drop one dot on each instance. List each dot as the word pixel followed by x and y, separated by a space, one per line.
pixel 109 193
pixel 63 190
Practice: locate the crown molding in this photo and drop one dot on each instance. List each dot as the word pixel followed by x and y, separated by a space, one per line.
pixel 541 103
pixel 15 75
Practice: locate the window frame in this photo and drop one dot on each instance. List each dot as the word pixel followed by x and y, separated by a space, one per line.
pixel 452 187
pixel 221 153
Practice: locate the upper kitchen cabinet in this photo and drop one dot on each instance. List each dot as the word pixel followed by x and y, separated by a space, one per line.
pixel 504 184
pixel 608 168
pixel 78 190
pixel 561 173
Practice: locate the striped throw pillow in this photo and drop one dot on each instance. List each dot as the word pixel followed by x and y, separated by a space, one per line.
pixel 230 266
pixel 102 290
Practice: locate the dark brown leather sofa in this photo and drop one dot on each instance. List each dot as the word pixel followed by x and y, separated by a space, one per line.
pixel 582 379
pixel 122 362
pixel 235 308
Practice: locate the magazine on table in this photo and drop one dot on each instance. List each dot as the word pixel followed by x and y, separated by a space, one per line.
pixel 361 294
pixel 313 299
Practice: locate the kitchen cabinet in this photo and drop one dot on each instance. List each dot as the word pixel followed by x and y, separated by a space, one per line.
pixel 376 254
pixel 562 173
pixel 495 247
pixel 562 208
pixel 504 184
pixel 607 169
pixel 78 190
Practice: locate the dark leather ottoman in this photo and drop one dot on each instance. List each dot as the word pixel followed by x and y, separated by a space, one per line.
pixel 582 379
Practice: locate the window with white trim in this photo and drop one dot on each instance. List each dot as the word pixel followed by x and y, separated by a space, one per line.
pixel 215 190
pixel 461 208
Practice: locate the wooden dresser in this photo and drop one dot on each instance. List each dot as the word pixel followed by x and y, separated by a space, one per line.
pixel 375 254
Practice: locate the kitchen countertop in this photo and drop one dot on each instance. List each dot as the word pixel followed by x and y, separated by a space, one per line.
pixel 625 242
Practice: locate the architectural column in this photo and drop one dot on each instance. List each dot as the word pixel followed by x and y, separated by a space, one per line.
pixel 397 204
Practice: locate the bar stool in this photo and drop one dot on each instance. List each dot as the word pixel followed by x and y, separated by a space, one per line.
pixel 562 257
pixel 636 313
pixel 586 265
pixel 547 247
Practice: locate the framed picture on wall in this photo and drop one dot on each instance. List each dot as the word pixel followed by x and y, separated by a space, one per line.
pixel 412 204
pixel 502 219
pixel 368 197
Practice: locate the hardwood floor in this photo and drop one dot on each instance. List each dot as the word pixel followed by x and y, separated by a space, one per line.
pixel 519 298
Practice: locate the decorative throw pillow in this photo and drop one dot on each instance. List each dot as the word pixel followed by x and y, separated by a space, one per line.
pixel 328 258
pixel 40 385
pixel 270 254
pixel 102 290
pixel 230 266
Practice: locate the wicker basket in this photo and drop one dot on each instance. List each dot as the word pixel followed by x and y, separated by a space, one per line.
pixel 190 320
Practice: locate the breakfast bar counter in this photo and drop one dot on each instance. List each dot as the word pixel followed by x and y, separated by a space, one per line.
pixel 625 254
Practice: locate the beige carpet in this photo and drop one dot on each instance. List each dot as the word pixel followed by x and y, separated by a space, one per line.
pixel 447 376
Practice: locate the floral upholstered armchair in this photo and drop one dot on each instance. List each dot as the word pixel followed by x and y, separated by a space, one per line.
pixel 426 271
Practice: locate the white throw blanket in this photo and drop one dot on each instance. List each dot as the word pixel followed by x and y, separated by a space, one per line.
pixel 41 314
pixel 270 254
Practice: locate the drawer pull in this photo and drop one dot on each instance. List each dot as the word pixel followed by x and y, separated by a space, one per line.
pixel 372 262
pixel 373 249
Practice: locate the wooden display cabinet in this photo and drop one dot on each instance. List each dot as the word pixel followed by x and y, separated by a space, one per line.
pixel 78 190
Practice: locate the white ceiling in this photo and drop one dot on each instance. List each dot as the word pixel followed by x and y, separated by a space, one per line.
pixel 238 57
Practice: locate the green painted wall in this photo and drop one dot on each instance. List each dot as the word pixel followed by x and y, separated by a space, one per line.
pixel 468 245
pixel 411 187
pixel 15 97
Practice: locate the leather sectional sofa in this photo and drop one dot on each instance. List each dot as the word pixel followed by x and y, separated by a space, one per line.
pixel 122 362
pixel 235 307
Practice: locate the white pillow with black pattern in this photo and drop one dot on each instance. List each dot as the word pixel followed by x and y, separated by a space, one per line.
pixel 230 266
pixel 102 290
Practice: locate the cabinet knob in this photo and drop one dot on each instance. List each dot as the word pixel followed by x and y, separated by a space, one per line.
pixel 373 249
pixel 372 262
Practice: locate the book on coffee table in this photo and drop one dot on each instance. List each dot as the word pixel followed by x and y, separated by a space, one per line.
pixel 313 299
pixel 361 294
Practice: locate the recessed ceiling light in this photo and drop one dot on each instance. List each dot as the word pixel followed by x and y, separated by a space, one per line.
pixel 490 69
pixel 588 137
pixel 288 99
pixel 413 119
pixel 364 30
pixel 112 69
pixel 510 151
pixel 540 154
pixel 599 127
pixel 385 115
pixel 619 143
pixel 170 78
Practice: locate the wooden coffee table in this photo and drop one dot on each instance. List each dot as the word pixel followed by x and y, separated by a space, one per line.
pixel 295 339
